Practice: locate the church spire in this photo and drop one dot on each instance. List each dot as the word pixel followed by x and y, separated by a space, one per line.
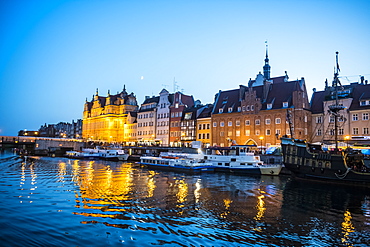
pixel 267 67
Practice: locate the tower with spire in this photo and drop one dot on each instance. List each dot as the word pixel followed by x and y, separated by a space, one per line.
pixel 267 67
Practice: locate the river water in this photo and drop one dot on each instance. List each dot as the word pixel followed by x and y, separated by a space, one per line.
pixel 62 202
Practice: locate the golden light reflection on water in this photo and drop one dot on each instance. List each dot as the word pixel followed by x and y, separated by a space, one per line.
pixel 102 187
pixel 227 203
pixel 61 172
pixel 151 183
pixel 182 192
pixel 347 228
pixel 261 208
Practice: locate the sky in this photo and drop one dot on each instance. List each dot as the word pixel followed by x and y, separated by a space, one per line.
pixel 54 54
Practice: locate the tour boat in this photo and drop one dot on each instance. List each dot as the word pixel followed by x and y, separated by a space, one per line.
pixel 97 153
pixel 176 163
pixel 82 155
pixel 307 160
pixel 239 160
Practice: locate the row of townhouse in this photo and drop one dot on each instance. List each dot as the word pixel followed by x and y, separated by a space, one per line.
pixel 258 113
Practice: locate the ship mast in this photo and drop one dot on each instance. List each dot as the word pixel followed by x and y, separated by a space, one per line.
pixel 334 109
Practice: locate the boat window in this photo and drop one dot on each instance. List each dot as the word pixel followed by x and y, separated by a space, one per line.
pixel 227 164
pixel 328 165
pixel 233 159
pixel 242 164
pixel 220 164
pixel 250 164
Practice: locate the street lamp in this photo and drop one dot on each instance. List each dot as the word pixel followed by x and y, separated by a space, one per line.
pixel 261 139
pixel 347 138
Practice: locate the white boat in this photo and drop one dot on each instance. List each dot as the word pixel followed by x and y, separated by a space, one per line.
pixel 240 160
pixel 82 155
pixel 177 163
pixel 108 154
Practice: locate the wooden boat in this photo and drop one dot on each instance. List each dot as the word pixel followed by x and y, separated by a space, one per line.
pixel 307 160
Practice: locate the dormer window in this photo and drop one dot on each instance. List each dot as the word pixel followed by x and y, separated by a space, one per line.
pixel 247 107
pixel 252 107
pixel 285 104
pixel 239 109
pixel 221 110
pixel 230 109
pixel 269 106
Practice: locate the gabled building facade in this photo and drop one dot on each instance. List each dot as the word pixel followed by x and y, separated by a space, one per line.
pixel 163 117
pixel 203 128
pixel 257 114
pixel 146 121
pixel 353 121
pixel 104 118
pixel 179 104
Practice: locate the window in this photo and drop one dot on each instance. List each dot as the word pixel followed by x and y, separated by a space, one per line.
pixel 239 109
pixel 243 108
pixel 257 132
pixel 229 133
pixel 247 122
pixel 247 132
pixel 277 120
pixel 268 121
pixel 199 136
pixel 247 107
pixel 257 122
pixel 222 124
pixel 237 122
pixel 355 131
pixel 278 131
pixel 285 104
pixel 230 109
pixel 319 119
pixel 365 131
pixel 220 110
pixel 269 106
pixel 230 123
pixel 355 117
pixel 340 131
pixel 365 116
pixel 268 132
pixel 331 132
pixel 252 107
pixel 318 133
pixel 237 133
pixel 222 133
pixel 331 119
pixel 214 124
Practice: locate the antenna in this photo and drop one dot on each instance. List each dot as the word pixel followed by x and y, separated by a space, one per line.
pixel 175 86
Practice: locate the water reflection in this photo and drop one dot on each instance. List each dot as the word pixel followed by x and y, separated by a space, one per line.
pixel 159 208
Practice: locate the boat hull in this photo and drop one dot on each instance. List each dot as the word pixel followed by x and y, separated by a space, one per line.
pixel 197 169
pixel 327 166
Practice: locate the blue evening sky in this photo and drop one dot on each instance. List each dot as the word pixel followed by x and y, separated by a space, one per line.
pixel 54 54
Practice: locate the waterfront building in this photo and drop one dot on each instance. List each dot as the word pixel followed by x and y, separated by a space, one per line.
pixel 256 114
pixel 179 104
pixel 104 118
pixel 189 123
pixel 146 121
pixel 203 130
pixel 130 128
pixel 62 130
pixel 353 122
pixel 163 117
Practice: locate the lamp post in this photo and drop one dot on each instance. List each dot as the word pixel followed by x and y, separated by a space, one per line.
pixel 261 139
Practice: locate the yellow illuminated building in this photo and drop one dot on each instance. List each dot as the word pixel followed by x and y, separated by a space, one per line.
pixel 106 119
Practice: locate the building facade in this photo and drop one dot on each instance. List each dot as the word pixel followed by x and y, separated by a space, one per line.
pixel 353 121
pixel 179 104
pixel 104 118
pixel 257 114
pixel 203 129
pixel 163 117
pixel 146 121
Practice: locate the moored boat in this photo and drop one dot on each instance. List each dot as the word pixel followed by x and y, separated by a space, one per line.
pixel 308 160
pixel 240 160
pixel 174 163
